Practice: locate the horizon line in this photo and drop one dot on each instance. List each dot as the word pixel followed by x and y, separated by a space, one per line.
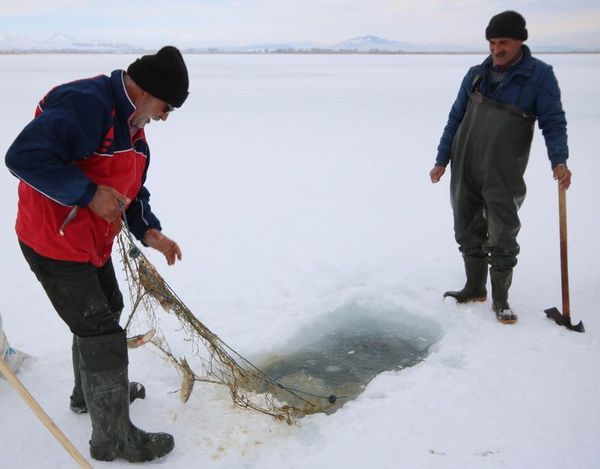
pixel 291 51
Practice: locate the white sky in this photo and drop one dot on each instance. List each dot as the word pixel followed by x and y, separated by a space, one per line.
pixel 244 22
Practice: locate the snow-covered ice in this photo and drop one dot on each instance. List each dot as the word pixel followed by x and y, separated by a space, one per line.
pixel 296 185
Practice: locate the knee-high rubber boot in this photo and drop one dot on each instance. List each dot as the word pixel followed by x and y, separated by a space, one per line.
pixel 103 363
pixel 77 401
pixel 501 281
pixel 476 269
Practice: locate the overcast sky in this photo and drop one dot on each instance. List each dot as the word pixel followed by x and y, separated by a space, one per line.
pixel 242 22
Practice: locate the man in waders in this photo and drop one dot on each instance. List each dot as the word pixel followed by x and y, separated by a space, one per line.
pixel 487 140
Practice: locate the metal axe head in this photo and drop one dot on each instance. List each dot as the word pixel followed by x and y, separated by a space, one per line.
pixel 562 320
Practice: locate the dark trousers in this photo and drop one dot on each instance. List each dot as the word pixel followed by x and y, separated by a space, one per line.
pixel 86 297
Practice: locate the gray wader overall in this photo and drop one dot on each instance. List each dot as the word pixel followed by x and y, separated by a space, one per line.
pixel 490 152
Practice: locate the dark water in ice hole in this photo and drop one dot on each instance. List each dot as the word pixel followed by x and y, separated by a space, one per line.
pixel 344 351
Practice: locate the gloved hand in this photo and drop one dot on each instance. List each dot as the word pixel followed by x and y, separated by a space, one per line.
pixel 155 239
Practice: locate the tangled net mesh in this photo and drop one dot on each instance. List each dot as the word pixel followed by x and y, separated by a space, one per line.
pixel 250 388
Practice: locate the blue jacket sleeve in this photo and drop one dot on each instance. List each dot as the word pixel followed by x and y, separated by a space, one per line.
pixel 457 112
pixel 551 118
pixel 44 152
pixel 139 215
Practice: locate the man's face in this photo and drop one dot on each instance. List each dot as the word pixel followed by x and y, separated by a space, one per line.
pixel 149 108
pixel 505 50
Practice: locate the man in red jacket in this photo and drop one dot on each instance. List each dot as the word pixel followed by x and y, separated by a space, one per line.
pixel 82 162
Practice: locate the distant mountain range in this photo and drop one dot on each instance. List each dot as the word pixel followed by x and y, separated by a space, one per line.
pixel 60 43
pixel 363 44
pixel 378 44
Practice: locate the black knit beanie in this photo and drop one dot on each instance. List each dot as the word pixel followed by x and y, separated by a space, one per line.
pixel 163 75
pixel 507 24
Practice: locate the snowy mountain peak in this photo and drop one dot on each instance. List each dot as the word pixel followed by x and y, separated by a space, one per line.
pixel 368 43
pixel 370 40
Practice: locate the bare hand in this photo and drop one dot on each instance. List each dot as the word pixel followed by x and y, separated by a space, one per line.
pixel 108 203
pixel 155 239
pixel 562 174
pixel 436 173
pixel 116 226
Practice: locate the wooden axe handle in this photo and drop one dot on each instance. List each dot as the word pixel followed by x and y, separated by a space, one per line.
pixel 564 261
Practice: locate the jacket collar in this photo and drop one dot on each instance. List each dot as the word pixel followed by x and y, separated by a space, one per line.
pixel 123 104
pixel 524 67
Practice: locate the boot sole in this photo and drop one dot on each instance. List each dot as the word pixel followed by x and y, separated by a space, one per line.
pixel 478 299
pixel 507 321
pixel 101 454
pixel 475 299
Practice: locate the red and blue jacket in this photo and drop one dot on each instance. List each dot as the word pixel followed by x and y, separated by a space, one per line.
pixel 80 138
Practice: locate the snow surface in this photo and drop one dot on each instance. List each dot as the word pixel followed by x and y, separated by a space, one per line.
pixel 296 185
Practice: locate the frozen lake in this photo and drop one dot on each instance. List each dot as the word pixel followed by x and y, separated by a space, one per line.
pixel 296 185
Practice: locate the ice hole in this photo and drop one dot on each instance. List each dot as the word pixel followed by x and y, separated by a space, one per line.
pixel 343 351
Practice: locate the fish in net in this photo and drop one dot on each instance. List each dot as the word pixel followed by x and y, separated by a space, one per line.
pixel 249 387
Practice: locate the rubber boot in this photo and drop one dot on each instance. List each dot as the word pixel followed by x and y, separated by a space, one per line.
pixel 103 364
pixel 501 281
pixel 476 269
pixel 77 401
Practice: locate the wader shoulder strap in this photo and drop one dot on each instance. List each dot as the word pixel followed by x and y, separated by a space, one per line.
pixel 478 97
pixel 476 82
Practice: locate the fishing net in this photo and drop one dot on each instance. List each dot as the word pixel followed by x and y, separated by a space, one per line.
pixel 211 360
